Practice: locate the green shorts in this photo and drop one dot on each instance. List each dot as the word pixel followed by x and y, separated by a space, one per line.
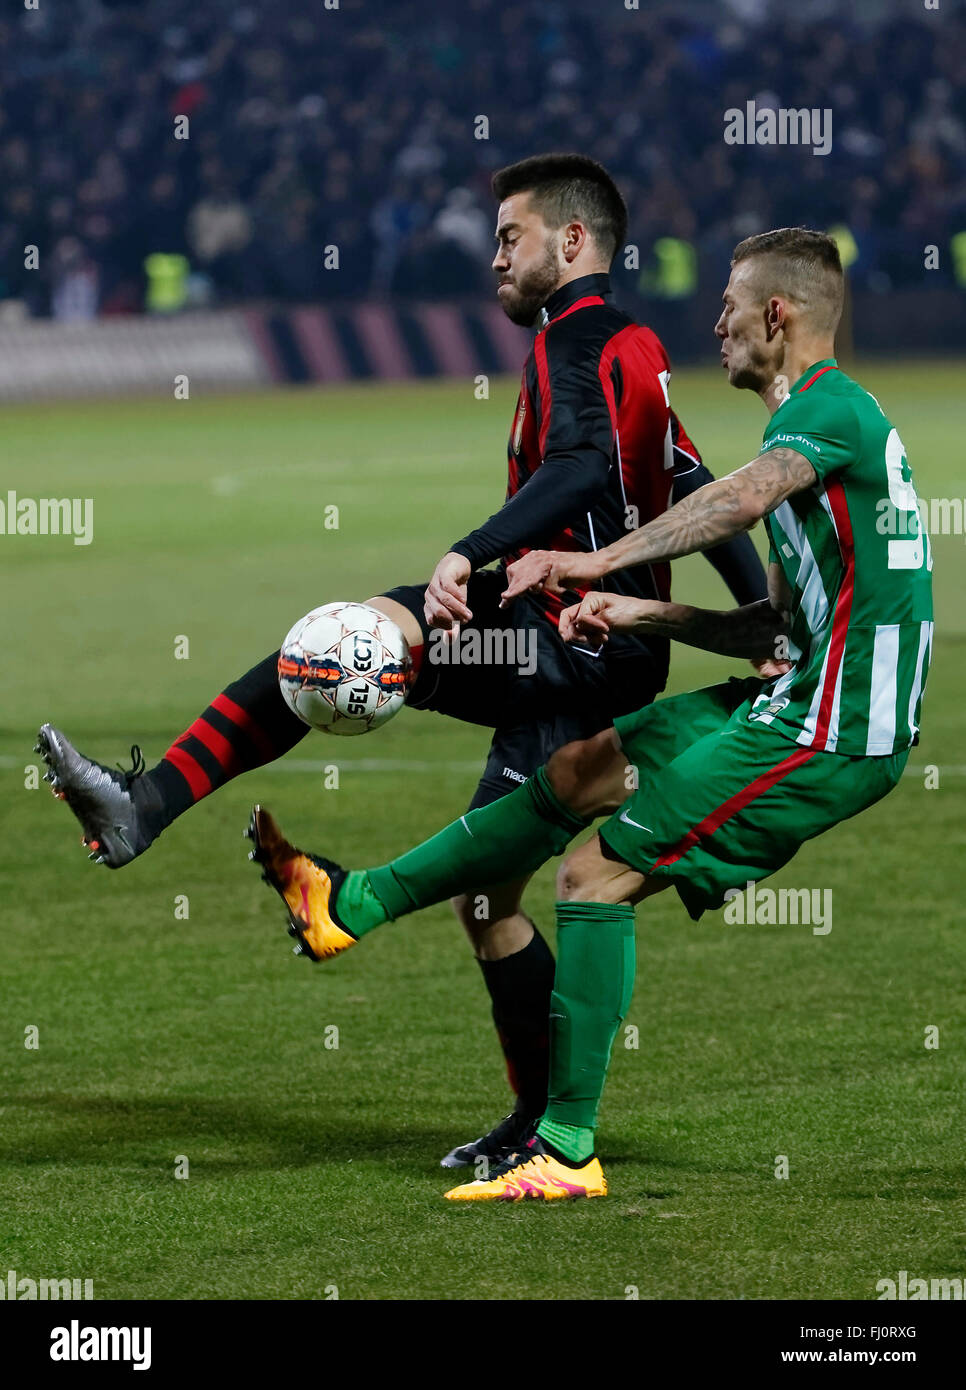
pixel 721 802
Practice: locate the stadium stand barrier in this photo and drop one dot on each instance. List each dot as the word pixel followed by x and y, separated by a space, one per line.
pixel 242 349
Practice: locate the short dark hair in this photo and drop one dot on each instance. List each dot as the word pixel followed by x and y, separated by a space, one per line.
pixel 803 264
pixel 569 188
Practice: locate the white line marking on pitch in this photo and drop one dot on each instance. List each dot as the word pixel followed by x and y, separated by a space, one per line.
pixel 414 765
pixel 343 764
pixel 371 765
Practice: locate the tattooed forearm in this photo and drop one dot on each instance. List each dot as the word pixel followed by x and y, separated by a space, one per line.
pixel 750 632
pixel 714 513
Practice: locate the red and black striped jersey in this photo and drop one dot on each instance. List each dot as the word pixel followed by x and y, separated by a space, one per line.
pixel 594 446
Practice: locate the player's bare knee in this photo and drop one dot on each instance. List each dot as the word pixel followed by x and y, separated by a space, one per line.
pixel 573 884
pixel 578 882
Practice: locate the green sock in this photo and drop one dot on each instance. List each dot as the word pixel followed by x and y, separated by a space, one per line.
pixel 493 844
pixel 358 907
pixel 592 989
pixel 574 1141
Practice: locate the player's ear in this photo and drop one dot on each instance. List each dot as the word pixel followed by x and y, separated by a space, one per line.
pixel 575 236
pixel 775 316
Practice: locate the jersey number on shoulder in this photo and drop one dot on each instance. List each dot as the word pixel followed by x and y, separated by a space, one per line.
pixel 907 554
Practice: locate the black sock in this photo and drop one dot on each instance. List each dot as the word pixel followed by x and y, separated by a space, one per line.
pixel 520 987
pixel 247 725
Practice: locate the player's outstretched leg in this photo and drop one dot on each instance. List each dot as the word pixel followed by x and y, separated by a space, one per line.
pixel 121 814
pixel 499 843
pixel 247 725
pixel 491 844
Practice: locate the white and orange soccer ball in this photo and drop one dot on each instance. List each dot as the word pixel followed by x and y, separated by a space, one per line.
pixel 345 668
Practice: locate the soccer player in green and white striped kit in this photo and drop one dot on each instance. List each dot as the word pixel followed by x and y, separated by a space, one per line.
pixel 730 780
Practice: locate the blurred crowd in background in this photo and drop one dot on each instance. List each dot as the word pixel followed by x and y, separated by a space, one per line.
pixel 356 128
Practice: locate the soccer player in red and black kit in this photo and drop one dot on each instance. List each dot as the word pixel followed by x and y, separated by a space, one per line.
pixel 595 451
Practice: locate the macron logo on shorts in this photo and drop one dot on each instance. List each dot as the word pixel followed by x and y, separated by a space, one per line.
pixel 514 776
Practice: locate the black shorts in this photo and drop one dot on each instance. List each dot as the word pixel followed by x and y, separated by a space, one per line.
pixel 517 677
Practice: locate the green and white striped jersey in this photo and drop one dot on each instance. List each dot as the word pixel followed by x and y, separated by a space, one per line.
pixel 857 561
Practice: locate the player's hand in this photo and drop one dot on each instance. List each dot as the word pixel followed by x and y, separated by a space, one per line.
pixel 554 570
pixel 776 623
pixel 445 600
pixel 597 615
pixel 769 666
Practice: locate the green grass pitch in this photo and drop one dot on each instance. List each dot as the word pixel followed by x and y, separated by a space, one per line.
pixel 313 1167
